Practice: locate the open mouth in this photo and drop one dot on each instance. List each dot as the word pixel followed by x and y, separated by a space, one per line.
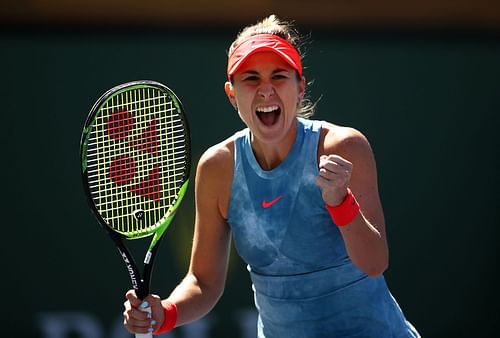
pixel 268 115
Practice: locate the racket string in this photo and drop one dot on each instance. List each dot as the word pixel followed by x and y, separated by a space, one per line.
pixel 158 136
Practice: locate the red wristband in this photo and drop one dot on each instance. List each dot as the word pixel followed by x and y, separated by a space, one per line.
pixel 345 212
pixel 170 318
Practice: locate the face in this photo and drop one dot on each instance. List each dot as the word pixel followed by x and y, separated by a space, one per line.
pixel 266 92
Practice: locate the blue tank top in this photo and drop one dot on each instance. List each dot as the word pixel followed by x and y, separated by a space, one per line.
pixel 283 239
pixel 304 282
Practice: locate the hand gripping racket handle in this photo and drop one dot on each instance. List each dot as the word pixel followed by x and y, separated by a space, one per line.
pixel 144 335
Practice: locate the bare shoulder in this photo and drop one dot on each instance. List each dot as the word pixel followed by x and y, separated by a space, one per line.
pixel 347 142
pixel 214 176
pixel 218 157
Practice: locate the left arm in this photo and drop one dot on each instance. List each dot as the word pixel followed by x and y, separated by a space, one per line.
pixel 347 161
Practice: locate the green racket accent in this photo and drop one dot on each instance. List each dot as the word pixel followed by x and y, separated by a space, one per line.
pixel 168 218
pixel 135 155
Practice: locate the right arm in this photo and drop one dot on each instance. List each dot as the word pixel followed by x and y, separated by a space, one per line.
pixel 204 283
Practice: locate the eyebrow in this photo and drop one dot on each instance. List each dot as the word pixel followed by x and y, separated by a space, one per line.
pixel 277 70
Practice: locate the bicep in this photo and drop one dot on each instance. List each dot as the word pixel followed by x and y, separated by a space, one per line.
pixel 354 147
pixel 364 182
pixel 211 241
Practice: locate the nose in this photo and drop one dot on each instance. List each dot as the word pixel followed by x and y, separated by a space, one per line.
pixel 266 90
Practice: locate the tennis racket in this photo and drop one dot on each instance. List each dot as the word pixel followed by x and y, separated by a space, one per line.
pixel 135 164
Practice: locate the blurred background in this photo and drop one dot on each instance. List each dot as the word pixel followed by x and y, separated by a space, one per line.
pixel 421 79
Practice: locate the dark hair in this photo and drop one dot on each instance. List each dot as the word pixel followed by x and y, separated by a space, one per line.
pixel 285 30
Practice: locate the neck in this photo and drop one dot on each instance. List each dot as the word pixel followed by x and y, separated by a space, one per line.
pixel 270 156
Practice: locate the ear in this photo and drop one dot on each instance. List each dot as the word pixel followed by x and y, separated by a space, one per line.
pixel 302 88
pixel 229 89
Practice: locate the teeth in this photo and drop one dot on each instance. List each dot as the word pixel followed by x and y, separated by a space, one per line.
pixel 267 109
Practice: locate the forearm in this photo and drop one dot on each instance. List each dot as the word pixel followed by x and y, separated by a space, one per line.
pixel 366 246
pixel 193 299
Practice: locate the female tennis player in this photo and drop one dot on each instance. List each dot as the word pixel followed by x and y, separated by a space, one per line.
pixel 300 199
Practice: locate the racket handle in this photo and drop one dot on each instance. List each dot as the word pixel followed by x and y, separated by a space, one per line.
pixel 145 335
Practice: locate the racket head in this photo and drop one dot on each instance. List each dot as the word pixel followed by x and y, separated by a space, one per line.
pixel 135 154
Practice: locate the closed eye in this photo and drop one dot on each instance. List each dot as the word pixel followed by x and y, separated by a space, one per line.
pixel 280 76
pixel 250 78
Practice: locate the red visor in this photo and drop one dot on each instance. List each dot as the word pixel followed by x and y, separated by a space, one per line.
pixel 260 43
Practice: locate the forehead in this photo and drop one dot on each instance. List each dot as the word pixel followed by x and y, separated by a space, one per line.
pixel 265 60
